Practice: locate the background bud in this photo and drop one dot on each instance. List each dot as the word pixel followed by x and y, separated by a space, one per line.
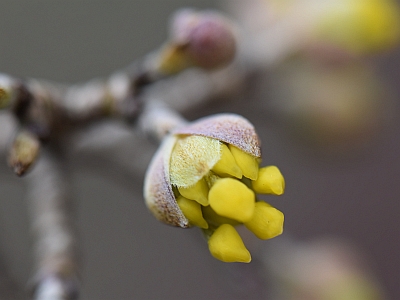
pixel 6 90
pixel 24 152
pixel 201 39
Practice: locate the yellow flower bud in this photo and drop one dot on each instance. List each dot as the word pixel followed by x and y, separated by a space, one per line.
pixel 197 192
pixel 247 162
pixel 225 244
pixel 231 198
pixel 195 179
pixel 227 166
pixel 267 221
pixel 192 210
pixel 269 181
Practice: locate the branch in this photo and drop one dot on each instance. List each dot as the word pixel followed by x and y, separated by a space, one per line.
pixel 55 241
pixel 48 113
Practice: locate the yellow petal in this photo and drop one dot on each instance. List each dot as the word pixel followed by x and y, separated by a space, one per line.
pixel 247 162
pixel 231 198
pixel 192 211
pixel 192 158
pixel 269 181
pixel 226 244
pixel 227 165
pixel 197 192
pixel 267 221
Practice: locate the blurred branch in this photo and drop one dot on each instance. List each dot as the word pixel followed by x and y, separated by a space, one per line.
pixel 55 241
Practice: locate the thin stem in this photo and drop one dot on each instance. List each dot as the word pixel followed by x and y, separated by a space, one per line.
pixel 158 120
pixel 55 241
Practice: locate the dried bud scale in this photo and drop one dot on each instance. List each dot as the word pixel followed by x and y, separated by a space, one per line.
pixel 158 192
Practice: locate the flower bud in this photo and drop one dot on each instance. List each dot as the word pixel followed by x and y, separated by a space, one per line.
pixel 24 152
pixel 201 39
pixel 225 244
pixel 204 175
pixel 6 91
pixel 192 210
pixel 269 181
pixel 266 222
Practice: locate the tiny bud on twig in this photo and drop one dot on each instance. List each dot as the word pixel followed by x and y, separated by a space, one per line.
pixel 201 39
pixel 6 90
pixel 24 152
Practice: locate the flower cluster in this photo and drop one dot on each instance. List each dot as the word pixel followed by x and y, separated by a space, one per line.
pixel 361 26
pixel 207 174
pixel 357 26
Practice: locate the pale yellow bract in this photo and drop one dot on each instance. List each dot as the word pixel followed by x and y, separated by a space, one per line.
pixel 192 158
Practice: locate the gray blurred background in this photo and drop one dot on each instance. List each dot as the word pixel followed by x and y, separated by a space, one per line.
pixel 126 253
